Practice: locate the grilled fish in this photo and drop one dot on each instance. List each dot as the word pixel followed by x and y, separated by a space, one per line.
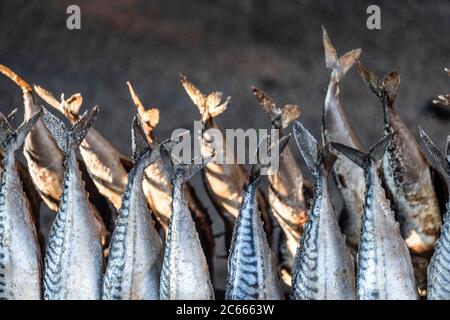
pixel 384 268
pixel 74 261
pixel 20 255
pixel 252 270
pixel 185 273
pixel 439 268
pixel 158 189
pixel 324 267
pixel 406 171
pixel 349 177
pixel 223 182
pixel 286 196
pixel 135 254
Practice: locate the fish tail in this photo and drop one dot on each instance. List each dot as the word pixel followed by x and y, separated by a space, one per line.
pixel 281 118
pixel 177 171
pixel 439 157
pixel 148 116
pixel 138 138
pixel 209 106
pixel 311 150
pixel 386 90
pixel 264 160
pixel 338 66
pixel 362 159
pixel 65 138
pixel 16 137
pixel 26 88
pixel 69 107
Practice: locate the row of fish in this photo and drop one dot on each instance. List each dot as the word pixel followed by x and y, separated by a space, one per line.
pixel 389 242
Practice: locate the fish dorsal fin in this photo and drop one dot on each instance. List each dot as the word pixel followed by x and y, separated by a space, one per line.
pixel 139 140
pixel 209 106
pixel 308 146
pixel 9 135
pixel 270 151
pixel 26 88
pixel 179 172
pixel 439 157
pixel 280 118
pixel 338 66
pixel 70 107
pixel 385 90
pixel 358 157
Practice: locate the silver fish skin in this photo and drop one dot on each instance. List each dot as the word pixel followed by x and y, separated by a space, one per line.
pixel 185 274
pixel 406 171
pixel 252 268
pixel 349 177
pixel 384 268
pixel 20 254
pixel 286 197
pixel 135 254
pixel 439 267
pixel 73 266
pixel 45 160
pixel 324 268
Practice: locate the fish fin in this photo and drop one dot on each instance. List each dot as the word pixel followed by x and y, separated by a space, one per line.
pixel 8 135
pixel 358 157
pixel 11 115
pixel 70 107
pixel 308 146
pixel 339 66
pixel 277 146
pixel 329 159
pixel 437 154
pixel 58 130
pixel 177 171
pixel 377 152
pixel 6 132
pixel 138 138
pixel 387 89
pixel 150 117
pixel 197 97
pixel 289 114
pixel 23 130
pixel 81 128
pixel 26 88
pixel 73 104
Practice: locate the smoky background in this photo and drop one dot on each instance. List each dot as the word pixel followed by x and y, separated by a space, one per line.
pixel 227 46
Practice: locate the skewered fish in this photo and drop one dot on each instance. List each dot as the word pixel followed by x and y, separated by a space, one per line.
pixel 135 254
pixel 223 182
pixel 185 273
pixel 439 268
pixel 252 270
pixel 74 260
pixel 20 255
pixel 324 267
pixel 349 177
pixel 384 268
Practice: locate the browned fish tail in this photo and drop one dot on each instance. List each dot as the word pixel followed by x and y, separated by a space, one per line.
pixel 26 88
pixel 338 66
pixel 281 118
pixel 69 107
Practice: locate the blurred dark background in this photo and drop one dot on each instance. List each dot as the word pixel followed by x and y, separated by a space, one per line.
pixel 228 46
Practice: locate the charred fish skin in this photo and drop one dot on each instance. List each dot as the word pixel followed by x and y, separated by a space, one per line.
pixel 349 177
pixel 286 196
pixel 20 255
pixel 46 171
pixel 439 267
pixel 135 254
pixel 252 269
pixel 224 183
pixel 73 265
pixel 406 171
pixel 324 267
pixel 185 273
pixel 384 268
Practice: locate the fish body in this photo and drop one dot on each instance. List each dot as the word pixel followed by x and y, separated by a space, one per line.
pixel 135 255
pixel 349 177
pixel 439 267
pixel 74 260
pixel 185 273
pixel 20 255
pixel 384 268
pixel 407 172
pixel 323 267
pixel 252 268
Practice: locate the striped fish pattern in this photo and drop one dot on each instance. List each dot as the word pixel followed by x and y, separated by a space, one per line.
pixel 323 267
